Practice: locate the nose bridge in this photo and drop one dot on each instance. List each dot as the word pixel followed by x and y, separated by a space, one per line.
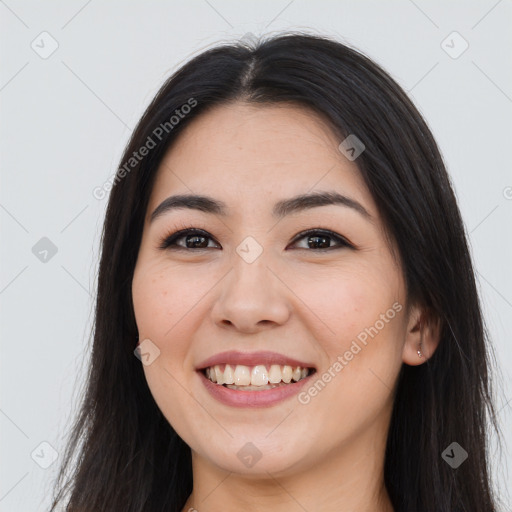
pixel 251 294
pixel 250 266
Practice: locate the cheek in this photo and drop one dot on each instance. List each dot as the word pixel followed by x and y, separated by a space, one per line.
pixel 359 332
pixel 158 309
pixel 347 301
pixel 162 297
pixel 358 323
pixel 163 301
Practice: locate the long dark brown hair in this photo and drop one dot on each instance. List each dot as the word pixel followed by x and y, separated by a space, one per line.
pixel 122 454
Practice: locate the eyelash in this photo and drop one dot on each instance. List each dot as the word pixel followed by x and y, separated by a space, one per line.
pixel 168 242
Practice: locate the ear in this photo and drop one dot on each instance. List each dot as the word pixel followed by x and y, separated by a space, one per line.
pixel 423 334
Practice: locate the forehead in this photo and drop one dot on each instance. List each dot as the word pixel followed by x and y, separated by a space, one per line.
pixel 249 155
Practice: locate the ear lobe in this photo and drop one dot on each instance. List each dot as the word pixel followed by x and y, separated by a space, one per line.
pixel 423 335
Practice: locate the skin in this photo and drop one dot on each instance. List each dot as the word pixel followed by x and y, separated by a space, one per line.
pixel 294 299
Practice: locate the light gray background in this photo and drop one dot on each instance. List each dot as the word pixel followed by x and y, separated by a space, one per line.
pixel 65 120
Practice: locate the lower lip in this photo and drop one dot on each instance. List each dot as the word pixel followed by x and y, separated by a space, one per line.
pixel 263 398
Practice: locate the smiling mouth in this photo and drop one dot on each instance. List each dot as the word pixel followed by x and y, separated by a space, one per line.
pixel 255 378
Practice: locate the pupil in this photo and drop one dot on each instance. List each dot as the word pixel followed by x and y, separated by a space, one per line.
pixel 194 239
pixel 323 240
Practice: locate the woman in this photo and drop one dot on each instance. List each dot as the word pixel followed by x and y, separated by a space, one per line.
pixel 287 316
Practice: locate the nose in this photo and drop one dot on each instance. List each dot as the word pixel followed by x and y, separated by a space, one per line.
pixel 251 298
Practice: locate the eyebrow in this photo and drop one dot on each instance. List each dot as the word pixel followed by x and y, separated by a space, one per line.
pixel 281 209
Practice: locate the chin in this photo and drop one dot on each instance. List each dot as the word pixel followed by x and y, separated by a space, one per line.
pixel 255 456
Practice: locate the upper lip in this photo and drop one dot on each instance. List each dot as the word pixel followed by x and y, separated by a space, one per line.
pixel 251 359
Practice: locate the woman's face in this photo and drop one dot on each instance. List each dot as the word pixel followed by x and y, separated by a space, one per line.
pixel 247 284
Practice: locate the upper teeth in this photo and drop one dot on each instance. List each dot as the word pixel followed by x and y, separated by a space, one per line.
pixel 259 375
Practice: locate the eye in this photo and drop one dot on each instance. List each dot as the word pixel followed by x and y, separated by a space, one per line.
pixel 197 239
pixel 322 237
